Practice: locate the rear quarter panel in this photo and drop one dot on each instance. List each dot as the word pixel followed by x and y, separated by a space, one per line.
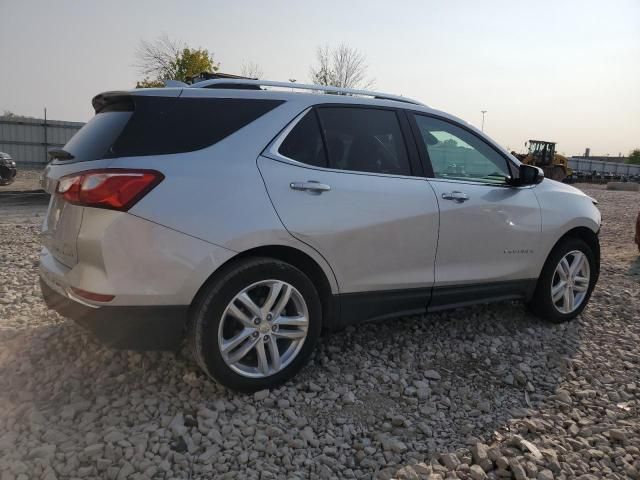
pixel 141 262
pixel 216 194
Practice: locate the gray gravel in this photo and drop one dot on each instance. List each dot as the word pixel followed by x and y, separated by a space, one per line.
pixel 481 392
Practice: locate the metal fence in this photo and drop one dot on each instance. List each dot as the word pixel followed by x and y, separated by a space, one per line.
pixel 28 139
pixel 588 166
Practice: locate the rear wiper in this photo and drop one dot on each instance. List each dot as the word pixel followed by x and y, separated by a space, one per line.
pixel 60 154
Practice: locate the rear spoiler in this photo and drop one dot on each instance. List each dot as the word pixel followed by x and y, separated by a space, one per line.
pixel 113 102
pixel 60 154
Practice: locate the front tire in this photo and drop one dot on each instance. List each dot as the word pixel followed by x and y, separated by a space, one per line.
pixel 567 280
pixel 256 324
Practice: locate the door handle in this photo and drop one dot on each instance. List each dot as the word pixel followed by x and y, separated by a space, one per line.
pixel 456 196
pixel 310 186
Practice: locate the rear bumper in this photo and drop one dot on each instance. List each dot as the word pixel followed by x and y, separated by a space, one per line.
pixel 134 328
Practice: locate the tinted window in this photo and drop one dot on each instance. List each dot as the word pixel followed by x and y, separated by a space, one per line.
pixel 364 139
pixel 304 142
pixel 162 125
pixel 458 154
pixel 93 140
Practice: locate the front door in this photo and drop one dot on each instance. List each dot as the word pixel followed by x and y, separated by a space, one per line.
pixel 489 231
pixel 340 180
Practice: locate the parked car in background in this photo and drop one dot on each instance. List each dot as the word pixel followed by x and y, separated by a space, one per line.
pixel 253 218
pixel 8 169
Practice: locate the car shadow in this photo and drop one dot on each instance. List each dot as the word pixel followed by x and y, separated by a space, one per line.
pixel 493 361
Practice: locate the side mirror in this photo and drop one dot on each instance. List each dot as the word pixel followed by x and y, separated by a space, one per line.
pixel 528 175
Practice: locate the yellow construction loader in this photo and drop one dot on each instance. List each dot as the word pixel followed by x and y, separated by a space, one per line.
pixel 543 154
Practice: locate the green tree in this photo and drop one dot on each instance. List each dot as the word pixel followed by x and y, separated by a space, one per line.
pixel 166 59
pixel 193 61
pixel 634 157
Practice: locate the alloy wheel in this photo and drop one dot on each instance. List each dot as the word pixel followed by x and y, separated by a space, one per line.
pixel 263 328
pixel 570 282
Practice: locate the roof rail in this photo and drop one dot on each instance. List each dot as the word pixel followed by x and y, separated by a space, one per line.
pixel 302 86
pixel 202 76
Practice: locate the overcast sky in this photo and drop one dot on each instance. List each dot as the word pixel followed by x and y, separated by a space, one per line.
pixel 567 71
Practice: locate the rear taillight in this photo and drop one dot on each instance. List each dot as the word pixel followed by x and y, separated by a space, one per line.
pixel 114 188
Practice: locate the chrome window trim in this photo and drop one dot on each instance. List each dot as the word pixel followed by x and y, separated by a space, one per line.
pixel 274 146
pixel 471 182
pixel 272 152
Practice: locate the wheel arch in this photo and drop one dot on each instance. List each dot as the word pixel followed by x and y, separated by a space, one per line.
pixel 293 256
pixel 539 302
pixel 588 236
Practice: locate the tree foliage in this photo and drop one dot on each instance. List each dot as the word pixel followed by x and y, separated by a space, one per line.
pixel 251 70
pixel 146 83
pixel 166 59
pixel 10 114
pixel 342 66
pixel 193 61
pixel 634 157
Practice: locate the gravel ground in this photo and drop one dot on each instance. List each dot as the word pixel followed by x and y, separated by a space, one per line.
pixel 486 391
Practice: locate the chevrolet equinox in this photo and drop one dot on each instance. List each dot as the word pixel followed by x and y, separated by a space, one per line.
pixel 250 215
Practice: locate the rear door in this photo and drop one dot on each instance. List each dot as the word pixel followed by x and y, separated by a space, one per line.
pixel 342 181
pixel 489 231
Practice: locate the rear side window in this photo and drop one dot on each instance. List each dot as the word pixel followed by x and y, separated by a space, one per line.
pixel 161 125
pixel 164 125
pixel 304 142
pixel 364 140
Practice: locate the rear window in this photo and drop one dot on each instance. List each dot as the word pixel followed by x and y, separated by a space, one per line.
pixel 164 125
pixel 93 140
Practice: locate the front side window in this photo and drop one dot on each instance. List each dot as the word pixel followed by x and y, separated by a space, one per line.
pixel 364 140
pixel 457 154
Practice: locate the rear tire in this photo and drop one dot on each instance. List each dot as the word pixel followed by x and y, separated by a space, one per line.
pixel 264 306
pixel 562 294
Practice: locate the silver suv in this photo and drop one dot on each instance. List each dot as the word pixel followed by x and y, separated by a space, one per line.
pixel 251 215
